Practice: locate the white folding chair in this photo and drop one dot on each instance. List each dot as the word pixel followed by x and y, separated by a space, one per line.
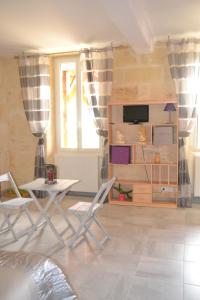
pixel 16 206
pixel 86 214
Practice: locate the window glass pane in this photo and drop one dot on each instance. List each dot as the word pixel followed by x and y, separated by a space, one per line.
pixel 90 139
pixel 68 105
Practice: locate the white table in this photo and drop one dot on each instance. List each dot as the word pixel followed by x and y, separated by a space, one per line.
pixel 56 193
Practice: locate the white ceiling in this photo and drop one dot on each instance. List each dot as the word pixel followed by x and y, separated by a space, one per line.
pixel 64 25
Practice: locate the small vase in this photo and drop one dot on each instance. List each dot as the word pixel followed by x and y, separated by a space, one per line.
pixel 121 197
pixel 157 158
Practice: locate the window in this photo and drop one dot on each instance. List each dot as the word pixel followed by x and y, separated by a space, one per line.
pixel 197 131
pixel 75 121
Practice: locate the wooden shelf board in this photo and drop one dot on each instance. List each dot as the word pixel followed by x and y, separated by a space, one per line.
pixel 123 144
pixel 118 202
pixel 150 204
pixel 111 164
pixel 148 164
pixel 130 124
pixel 130 181
pixel 139 144
pixel 156 204
pixel 164 203
pixel 164 183
pixel 164 124
pixel 133 144
pixel 143 124
pixel 154 164
pixel 140 101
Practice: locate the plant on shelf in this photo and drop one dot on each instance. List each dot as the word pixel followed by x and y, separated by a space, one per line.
pixel 122 193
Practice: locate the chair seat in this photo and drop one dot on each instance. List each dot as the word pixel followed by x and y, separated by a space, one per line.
pixel 83 207
pixel 15 202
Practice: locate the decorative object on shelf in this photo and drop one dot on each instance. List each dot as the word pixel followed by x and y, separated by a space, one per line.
pixel 163 135
pixel 170 107
pixel 119 137
pixel 120 155
pixel 157 158
pixel 142 135
pixel 50 174
pixel 123 195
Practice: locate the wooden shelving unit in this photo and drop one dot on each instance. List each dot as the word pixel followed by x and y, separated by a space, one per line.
pixel 153 184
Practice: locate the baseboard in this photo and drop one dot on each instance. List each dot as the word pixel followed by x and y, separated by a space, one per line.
pixel 195 199
pixel 81 194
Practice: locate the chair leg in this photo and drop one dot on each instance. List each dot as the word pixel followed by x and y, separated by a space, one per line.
pixel 29 217
pixel 59 208
pixel 17 217
pixel 76 236
pixel 2 229
pixel 102 228
pixel 10 226
pixel 12 223
pixel 83 229
pixel 98 243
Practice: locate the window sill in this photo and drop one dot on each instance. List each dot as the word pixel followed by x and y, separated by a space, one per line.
pixel 196 153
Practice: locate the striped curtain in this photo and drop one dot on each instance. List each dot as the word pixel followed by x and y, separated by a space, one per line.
pixel 35 85
pixel 184 61
pixel 96 67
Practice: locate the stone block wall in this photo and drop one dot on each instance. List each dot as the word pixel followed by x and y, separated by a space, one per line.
pixel 17 145
pixel 144 76
pixel 135 76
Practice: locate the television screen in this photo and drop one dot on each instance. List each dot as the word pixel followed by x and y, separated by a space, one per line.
pixel 135 113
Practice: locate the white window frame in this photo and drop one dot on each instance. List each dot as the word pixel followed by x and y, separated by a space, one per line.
pixel 197 134
pixel 79 149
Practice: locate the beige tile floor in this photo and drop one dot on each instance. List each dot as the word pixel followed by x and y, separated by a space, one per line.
pixel 154 254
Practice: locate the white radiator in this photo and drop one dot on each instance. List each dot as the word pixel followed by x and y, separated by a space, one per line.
pixel 81 166
pixel 197 175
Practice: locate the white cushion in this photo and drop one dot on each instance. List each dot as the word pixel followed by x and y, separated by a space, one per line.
pixel 83 207
pixel 15 202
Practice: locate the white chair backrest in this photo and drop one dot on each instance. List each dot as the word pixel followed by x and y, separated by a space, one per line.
pixel 4 177
pixel 102 194
pixel 8 177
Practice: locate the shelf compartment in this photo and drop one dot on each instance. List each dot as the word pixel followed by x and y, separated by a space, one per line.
pixel 118 202
pixel 141 188
pixel 130 181
pixel 115 194
pixel 164 193
pixel 130 133
pixel 142 198
pixel 128 172
pixel 164 173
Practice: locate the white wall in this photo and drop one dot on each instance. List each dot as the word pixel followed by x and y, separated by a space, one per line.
pixel 80 166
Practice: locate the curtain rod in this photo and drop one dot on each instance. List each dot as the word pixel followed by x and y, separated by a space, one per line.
pixel 54 54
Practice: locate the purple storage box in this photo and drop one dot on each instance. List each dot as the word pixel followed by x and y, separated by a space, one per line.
pixel 120 154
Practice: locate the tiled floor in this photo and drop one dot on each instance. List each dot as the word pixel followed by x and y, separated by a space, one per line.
pixel 154 254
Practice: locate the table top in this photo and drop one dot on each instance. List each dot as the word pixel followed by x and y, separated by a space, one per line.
pixel 40 185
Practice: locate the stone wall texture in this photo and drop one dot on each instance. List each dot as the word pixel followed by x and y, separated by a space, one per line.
pixel 145 76
pixel 17 145
pixel 142 77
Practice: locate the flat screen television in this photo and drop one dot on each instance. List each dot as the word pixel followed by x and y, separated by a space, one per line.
pixel 135 113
